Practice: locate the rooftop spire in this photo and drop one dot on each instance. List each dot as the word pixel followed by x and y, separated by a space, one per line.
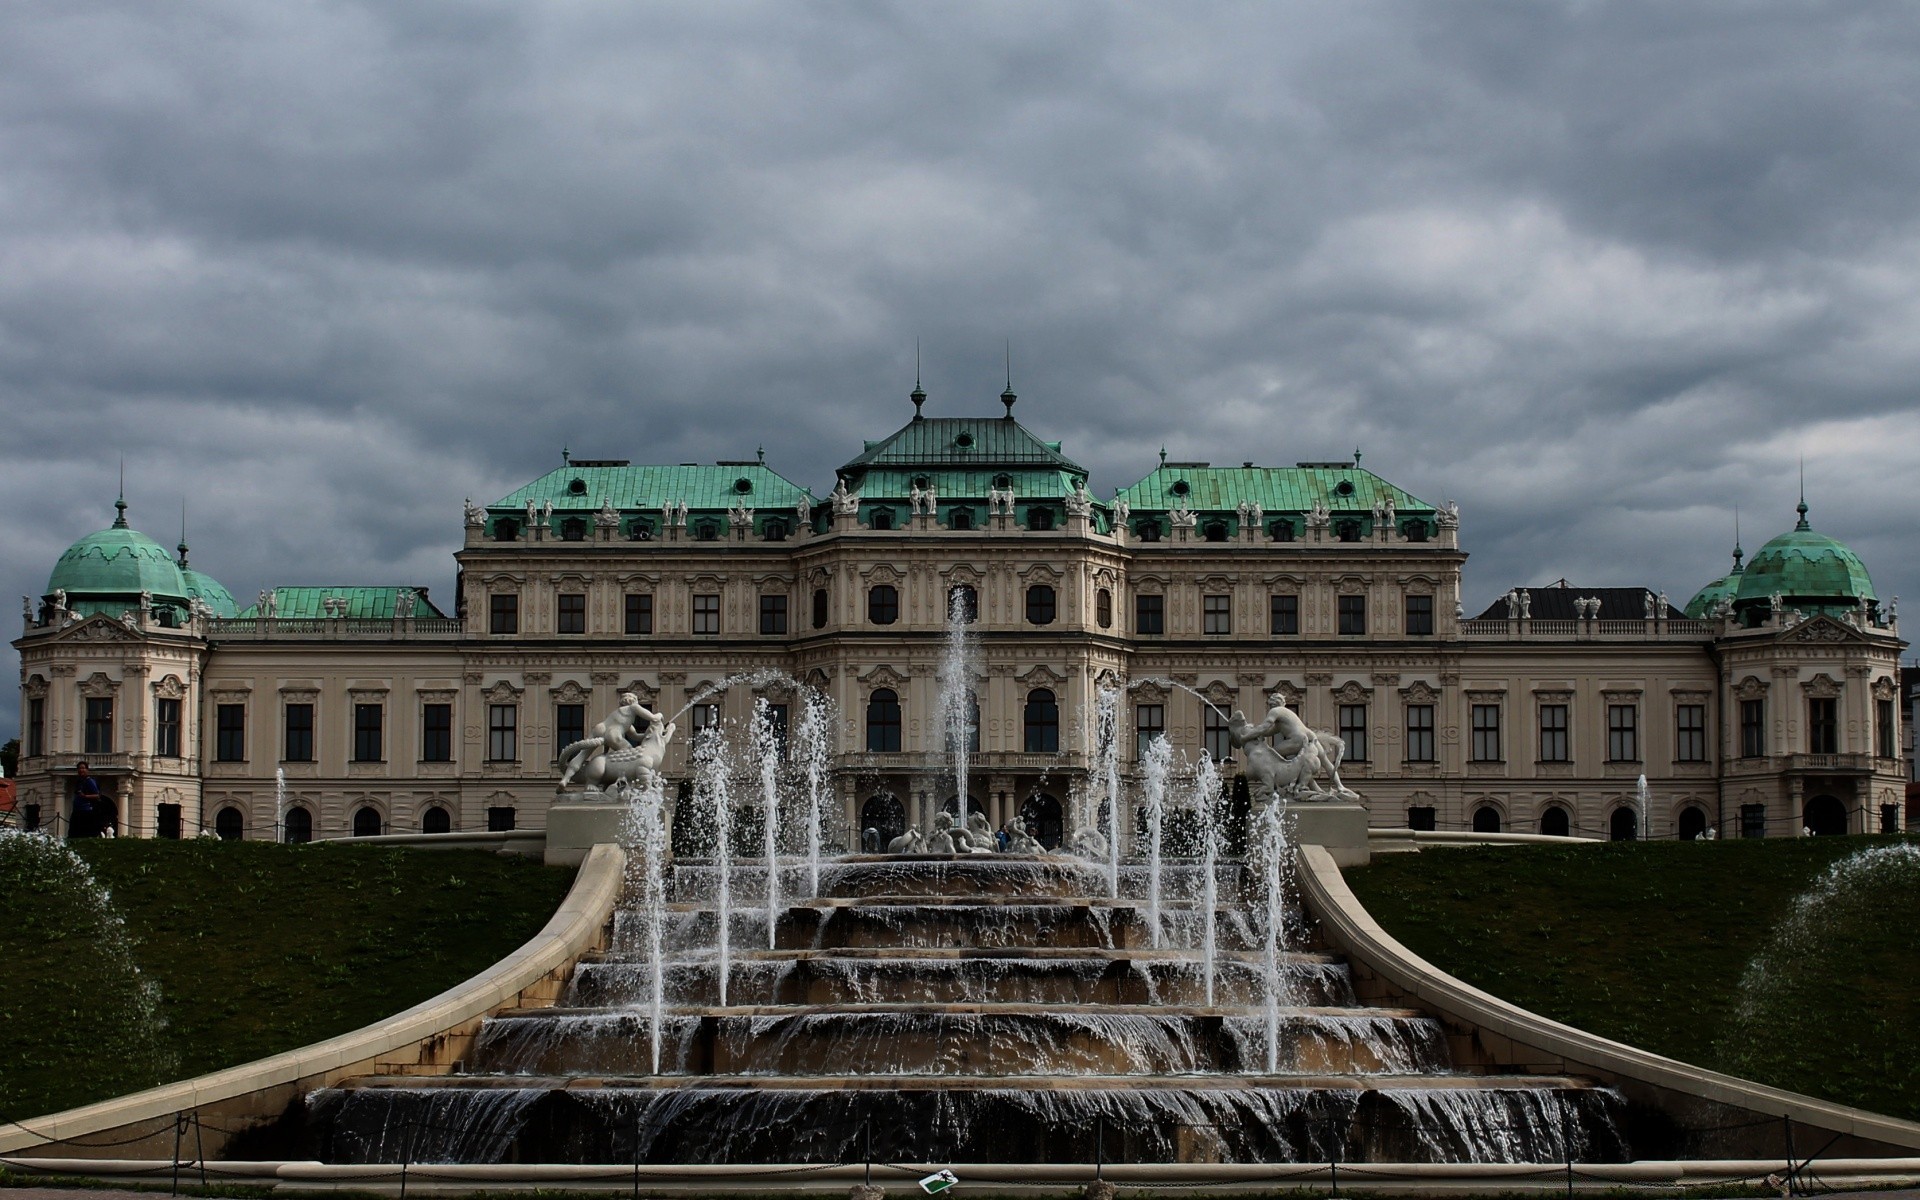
pixel 120 505
pixel 918 395
pixel 182 547
pixel 1007 397
pixel 1737 555
pixel 1801 508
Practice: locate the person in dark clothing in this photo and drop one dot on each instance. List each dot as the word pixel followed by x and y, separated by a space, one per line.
pixel 88 806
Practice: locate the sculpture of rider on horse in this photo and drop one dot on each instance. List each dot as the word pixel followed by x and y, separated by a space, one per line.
pixel 1291 766
pixel 629 745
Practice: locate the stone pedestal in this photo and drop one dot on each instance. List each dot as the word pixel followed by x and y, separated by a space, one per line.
pixel 1341 828
pixel 575 826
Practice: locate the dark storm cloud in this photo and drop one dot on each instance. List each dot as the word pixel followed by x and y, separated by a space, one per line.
pixel 1599 271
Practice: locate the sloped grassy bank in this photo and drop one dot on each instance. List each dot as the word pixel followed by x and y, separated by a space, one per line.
pixel 195 955
pixel 1793 962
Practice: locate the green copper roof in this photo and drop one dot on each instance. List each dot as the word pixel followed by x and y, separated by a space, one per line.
pixel 365 603
pixel 935 443
pixel 1808 569
pixel 1275 489
pixel 963 485
pixel 120 562
pixel 578 489
pixel 209 591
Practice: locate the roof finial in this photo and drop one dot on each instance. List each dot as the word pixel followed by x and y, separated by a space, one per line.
pixel 1163 456
pixel 1737 555
pixel 918 395
pixel 120 505
pixel 1356 454
pixel 1007 397
pixel 761 452
pixel 565 457
pixel 182 547
pixel 1802 507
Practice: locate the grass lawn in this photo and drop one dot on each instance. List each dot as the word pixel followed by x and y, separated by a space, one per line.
pixel 230 951
pixel 1649 943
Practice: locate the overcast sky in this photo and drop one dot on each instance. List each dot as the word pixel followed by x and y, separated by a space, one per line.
pixel 1600 272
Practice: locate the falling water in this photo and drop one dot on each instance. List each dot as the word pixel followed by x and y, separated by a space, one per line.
pixel 815 732
pixel 280 804
pixel 1109 729
pixel 1640 803
pixel 766 750
pixel 710 783
pixel 1153 786
pixel 646 836
pixel 956 710
pixel 1273 852
pixel 1206 803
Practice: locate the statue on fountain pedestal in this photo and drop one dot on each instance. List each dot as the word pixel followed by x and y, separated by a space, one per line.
pixel 627 746
pixel 1294 763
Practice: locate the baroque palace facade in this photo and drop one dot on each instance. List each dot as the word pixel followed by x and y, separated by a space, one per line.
pixel 1768 706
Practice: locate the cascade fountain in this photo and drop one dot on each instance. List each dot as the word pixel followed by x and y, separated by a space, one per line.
pixel 961 1008
pixel 956 696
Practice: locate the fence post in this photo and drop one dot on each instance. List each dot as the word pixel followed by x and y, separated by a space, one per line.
pixel 179 1131
pixel 200 1147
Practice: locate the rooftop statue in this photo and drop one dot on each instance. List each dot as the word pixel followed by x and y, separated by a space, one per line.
pixel 845 503
pixel 1080 500
pixel 476 516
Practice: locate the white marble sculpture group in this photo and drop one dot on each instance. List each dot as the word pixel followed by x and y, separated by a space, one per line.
pixel 1285 760
pixel 626 748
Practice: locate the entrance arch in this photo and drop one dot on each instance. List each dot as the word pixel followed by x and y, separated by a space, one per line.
pixel 1486 819
pixel 1624 825
pixel 229 824
pixel 299 827
pixel 366 821
pixel 883 814
pixel 1555 823
pixel 1693 822
pixel 1041 815
pixel 1825 815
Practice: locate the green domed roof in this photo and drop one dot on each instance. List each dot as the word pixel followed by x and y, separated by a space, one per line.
pixel 210 592
pixel 119 562
pixel 1708 598
pixel 1808 569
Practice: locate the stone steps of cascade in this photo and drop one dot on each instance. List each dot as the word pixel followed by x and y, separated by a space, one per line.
pixel 909 953
pixel 975 1083
pixel 991 1008
pixel 752 903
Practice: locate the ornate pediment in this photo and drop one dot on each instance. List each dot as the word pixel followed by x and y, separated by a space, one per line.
pixel 169 687
pixel 98 685
pixel 1419 692
pixel 641 689
pixel 1351 692
pixel 881 573
pixel 1821 686
pixel 1751 688
pixel 1822 629
pixel 97 629
pixel 1220 693
pixel 1884 688
pixel 436 695
pixel 1041 675
pixel 35 686
pixel 882 676
pixel 570 692
pixel 502 692
pixel 1040 573
pixel 962 573
pixel 1149 692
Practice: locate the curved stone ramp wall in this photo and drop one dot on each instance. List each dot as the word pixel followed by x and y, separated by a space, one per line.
pixel 425 1039
pixel 1670 1097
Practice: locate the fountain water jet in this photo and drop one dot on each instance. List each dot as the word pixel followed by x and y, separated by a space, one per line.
pixel 766 750
pixel 710 783
pixel 814 734
pixel 956 695
pixel 646 838
pixel 1154 765
pixel 1206 804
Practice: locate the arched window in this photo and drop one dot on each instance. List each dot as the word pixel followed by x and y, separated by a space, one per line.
pixel 366 821
pixel 1041 815
pixel 1040 604
pixel 960 518
pixel 963 602
pixel 1281 530
pixel 1040 519
pixel 573 529
pixel 435 820
pixel 819 608
pixel 505 529
pixel 1215 531
pixel 1825 816
pixel 1693 822
pixel 1042 722
pixel 1555 823
pixel 880 518
pixel 951 806
pixel 1624 825
pixel 1147 529
pixel 229 824
pixel 1103 608
pixel 883 604
pixel 1486 819
pixel 299 825
pixel 883 721
pixel 884 816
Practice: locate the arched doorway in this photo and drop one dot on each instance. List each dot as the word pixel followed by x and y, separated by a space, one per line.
pixel 1555 822
pixel 366 821
pixel 884 815
pixel 1486 819
pixel 94 818
pixel 229 824
pixel 1624 825
pixel 435 820
pixel 299 825
pixel 1693 822
pixel 1041 815
pixel 1825 815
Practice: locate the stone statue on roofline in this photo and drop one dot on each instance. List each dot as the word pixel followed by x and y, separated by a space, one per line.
pixel 1449 515
pixel 475 515
pixel 533 515
pixel 803 509
pixel 1079 500
pixel 740 516
pixel 845 503
pixel 1121 511
pixel 1182 516
pixel 608 517
pixel 1319 516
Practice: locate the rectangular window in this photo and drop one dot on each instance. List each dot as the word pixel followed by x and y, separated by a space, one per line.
pixel 99 725
pixel 500 819
pixel 1353 615
pixel 166 728
pixel 1214 722
pixel 1149 614
pixel 1753 728
pixel 773 614
pixel 1149 722
pixel 1421 817
pixel 639 613
pixel 230 732
pixel 702 717
pixel 1420 747
pixel 706 614
pixel 299 740
pixel 503 612
pixel 1553 733
pixel 1353 731
pixel 1823 725
pixel 777 724
pixel 569 724
pixel 503 733
pixel 571 614
pixel 1216 614
pixel 36 727
pixel 1753 820
pixel 1886 733
pixel 1486 733
pixel 167 824
pixel 1690 733
pixel 1623 733
pixel 1419 616
pixel 368 720
pixel 1283 612
pixel 436 733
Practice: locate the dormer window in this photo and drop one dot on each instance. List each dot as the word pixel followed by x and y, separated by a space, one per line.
pixel 743 485
pixel 1216 531
pixel 573 529
pixel 1281 531
pixel 1147 529
pixel 506 529
pixel 576 487
pixel 706 531
pixel 960 518
pixel 880 518
pixel 1040 519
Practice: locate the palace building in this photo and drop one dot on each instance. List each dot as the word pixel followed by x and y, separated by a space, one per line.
pixel 1769 704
